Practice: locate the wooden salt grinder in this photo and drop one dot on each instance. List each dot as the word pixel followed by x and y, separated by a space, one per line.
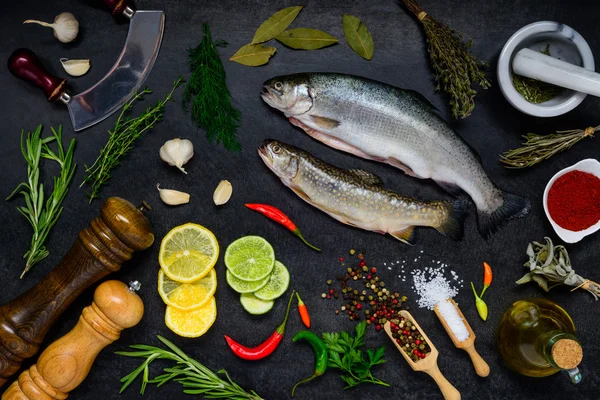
pixel 65 363
pixel 100 249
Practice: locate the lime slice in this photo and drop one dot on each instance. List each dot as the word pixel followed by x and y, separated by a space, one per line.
pixel 254 305
pixel 250 258
pixel 278 283
pixel 241 286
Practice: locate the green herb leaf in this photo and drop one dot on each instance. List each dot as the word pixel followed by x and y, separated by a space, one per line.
pixel 253 55
pixel 276 24
pixel 358 36
pixel 306 39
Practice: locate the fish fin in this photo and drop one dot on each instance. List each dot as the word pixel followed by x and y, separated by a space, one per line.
pixel 452 225
pixel 366 177
pixel 405 168
pixel 422 99
pixel 451 188
pixel 324 122
pixel 406 235
pixel 301 194
pixel 512 207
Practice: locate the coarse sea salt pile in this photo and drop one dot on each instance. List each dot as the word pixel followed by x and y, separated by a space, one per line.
pixel 453 320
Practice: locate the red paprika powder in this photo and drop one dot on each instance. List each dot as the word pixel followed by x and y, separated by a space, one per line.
pixel 574 200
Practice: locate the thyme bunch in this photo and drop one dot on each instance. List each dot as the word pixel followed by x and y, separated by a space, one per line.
pixel 538 148
pixel 195 377
pixel 207 91
pixel 42 216
pixel 454 66
pixel 122 138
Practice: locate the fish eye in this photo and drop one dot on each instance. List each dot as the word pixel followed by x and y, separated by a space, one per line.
pixel 278 85
pixel 276 149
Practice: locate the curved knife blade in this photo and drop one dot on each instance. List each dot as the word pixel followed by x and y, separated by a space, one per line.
pixel 127 75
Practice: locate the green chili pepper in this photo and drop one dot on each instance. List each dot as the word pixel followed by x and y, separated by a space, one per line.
pixel 320 354
pixel 482 308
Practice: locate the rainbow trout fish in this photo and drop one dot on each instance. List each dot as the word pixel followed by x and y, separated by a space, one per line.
pixel 399 127
pixel 358 198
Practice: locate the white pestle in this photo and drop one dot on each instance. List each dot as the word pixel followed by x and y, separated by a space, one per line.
pixel 536 65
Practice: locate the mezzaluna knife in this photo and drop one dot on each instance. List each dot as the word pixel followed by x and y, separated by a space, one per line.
pixel 120 83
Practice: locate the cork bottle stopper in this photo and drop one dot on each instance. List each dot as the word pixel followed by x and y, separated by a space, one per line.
pixel 567 353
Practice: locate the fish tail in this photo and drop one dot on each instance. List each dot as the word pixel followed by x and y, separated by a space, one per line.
pixel 453 221
pixel 512 207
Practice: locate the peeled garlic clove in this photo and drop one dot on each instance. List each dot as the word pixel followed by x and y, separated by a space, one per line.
pixel 65 26
pixel 75 67
pixel 177 152
pixel 173 197
pixel 222 193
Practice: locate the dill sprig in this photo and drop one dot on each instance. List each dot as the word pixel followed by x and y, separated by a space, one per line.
pixel 208 93
pixel 195 377
pixel 122 137
pixel 538 148
pixel 42 216
pixel 454 66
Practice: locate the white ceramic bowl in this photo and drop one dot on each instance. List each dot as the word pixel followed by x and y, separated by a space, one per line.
pixel 565 44
pixel 589 165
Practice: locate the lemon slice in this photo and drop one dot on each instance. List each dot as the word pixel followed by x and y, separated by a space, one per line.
pixel 193 323
pixel 188 252
pixel 250 258
pixel 187 296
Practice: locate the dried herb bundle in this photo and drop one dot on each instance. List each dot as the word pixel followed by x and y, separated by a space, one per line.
pixel 550 266
pixel 207 91
pixel 538 148
pixel 454 65
pixel 535 91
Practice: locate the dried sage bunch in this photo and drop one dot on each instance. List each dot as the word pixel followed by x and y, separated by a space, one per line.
pixel 550 266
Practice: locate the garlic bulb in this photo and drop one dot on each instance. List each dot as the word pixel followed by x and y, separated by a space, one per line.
pixel 75 67
pixel 65 26
pixel 177 152
pixel 173 197
pixel 222 193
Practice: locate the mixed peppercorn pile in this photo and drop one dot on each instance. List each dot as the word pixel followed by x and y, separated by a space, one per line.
pixel 409 338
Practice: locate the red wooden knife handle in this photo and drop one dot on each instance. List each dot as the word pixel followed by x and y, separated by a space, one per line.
pixel 24 64
pixel 119 6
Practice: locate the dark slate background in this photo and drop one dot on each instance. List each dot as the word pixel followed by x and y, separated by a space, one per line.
pixel 400 59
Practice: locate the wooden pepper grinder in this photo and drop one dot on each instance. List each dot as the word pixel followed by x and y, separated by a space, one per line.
pixel 65 363
pixel 100 249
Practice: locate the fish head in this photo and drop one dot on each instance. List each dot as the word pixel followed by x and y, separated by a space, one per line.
pixel 281 158
pixel 289 94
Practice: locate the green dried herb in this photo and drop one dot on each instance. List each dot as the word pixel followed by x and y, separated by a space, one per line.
pixel 42 216
pixel 306 39
pixel 253 55
pixel 535 91
pixel 358 36
pixel 208 93
pixel 455 67
pixel 538 148
pixel 276 24
pixel 550 266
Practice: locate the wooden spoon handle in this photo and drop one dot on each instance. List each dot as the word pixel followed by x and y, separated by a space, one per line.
pixel 481 367
pixel 448 391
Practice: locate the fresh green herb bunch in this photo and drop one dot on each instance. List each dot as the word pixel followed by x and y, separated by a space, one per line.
pixel 210 98
pixel 42 217
pixel 455 67
pixel 122 138
pixel 346 354
pixel 195 377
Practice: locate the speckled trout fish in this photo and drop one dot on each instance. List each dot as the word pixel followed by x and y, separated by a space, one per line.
pixel 381 122
pixel 357 197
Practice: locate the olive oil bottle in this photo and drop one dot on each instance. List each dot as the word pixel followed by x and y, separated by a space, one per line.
pixel 536 337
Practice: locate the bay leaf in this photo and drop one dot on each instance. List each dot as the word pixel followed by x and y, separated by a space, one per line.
pixel 253 55
pixel 276 24
pixel 306 38
pixel 358 36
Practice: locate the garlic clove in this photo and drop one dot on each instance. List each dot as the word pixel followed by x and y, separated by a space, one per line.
pixel 75 67
pixel 65 26
pixel 173 197
pixel 177 152
pixel 222 193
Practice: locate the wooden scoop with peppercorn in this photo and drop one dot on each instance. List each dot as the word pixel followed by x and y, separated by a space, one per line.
pixel 405 334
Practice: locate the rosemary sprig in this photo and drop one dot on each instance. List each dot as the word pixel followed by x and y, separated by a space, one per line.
pixel 454 66
pixel 195 377
pixel 538 148
pixel 122 137
pixel 207 91
pixel 42 217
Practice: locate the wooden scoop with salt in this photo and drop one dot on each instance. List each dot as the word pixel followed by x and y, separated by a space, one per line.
pixel 457 325
pixel 427 364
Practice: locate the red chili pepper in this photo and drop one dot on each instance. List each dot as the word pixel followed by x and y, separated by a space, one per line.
pixel 278 216
pixel 303 312
pixel 487 277
pixel 265 348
